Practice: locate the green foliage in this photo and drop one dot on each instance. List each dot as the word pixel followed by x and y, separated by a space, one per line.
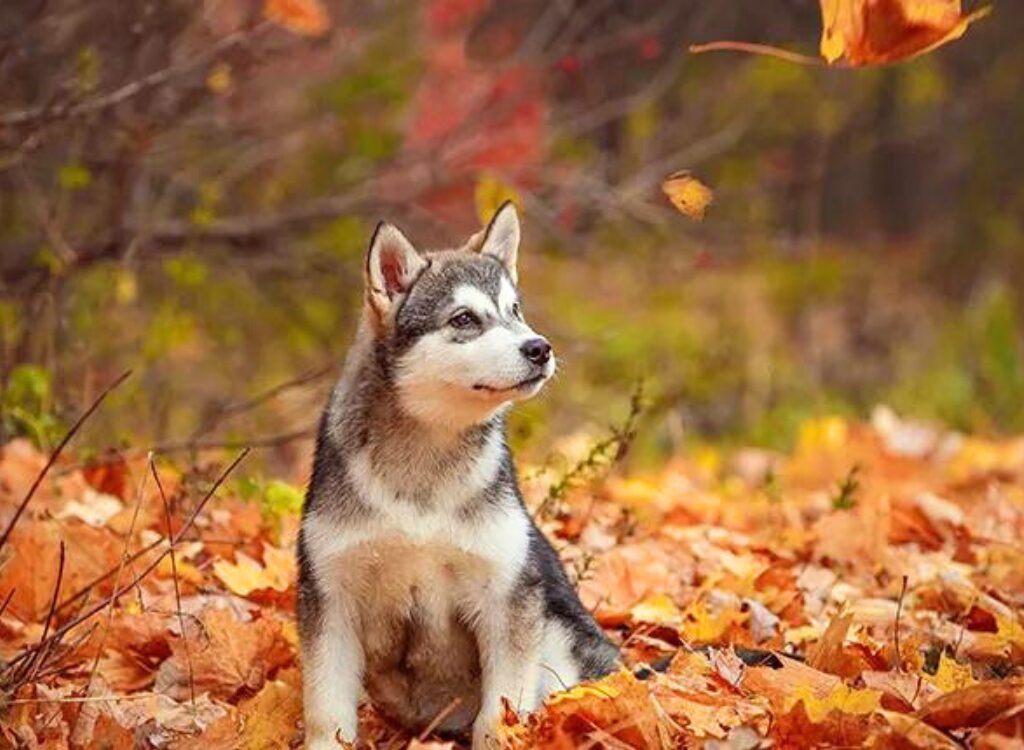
pixel 973 375
pixel 74 176
pixel 25 406
pixel 845 497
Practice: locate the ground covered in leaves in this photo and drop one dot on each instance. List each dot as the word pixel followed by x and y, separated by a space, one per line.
pixel 864 590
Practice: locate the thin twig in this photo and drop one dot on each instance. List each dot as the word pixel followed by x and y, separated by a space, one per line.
pixel 85 590
pixel 56 454
pixel 443 714
pixel 40 655
pixel 48 113
pixel 755 49
pixel 177 587
pixel 230 410
pixel 896 634
pixel 110 612
pixel 118 593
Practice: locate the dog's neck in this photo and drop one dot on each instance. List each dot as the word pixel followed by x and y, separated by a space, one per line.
pixel 409 455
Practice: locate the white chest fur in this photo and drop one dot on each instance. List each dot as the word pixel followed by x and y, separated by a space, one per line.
pixel 431 529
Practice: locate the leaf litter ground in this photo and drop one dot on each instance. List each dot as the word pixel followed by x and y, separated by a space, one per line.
pixel 863 591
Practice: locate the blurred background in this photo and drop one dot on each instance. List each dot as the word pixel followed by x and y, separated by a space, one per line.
pixel 187 189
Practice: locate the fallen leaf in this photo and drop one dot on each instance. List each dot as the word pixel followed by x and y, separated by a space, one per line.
pixel 951 676
pixel 842 699
pixel 227 656
pixel 246 575
pixel 973 706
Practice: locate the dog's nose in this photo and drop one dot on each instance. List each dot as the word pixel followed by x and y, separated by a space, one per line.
pixel 536 350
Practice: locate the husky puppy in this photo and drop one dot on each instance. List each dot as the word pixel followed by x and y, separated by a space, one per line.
pixel 422 576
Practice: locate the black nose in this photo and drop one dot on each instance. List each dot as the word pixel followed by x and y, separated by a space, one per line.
pixel 536 350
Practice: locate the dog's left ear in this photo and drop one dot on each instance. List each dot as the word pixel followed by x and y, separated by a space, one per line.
pixel 501 238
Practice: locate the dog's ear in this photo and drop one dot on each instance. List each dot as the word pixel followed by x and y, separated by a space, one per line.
pixel 501 238
pixel 392 264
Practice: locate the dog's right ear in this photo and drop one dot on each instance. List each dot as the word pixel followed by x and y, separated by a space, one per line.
pixel 392 264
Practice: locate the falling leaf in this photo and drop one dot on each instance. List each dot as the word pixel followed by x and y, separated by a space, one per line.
pixel 219 79
pixel 872 32
pixel 306 17
pixel 688 194
pixel 490 194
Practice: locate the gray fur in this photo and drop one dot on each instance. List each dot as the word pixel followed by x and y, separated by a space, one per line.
pixel 365 421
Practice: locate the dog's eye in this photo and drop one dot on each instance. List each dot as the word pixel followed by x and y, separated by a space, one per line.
pixel 464 319
pixel 517 312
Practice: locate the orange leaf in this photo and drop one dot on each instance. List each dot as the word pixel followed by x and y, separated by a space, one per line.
pixel 688 194
pixel 306 17
pixel 872 32
pixel 226 657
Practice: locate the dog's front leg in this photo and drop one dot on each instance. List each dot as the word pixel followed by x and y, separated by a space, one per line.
pixel 332 657
pixel 509 637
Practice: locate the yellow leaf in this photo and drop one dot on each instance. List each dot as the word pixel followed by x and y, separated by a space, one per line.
pixel 950 675
pixel 604 688
pixel 219 79
pixel 704 626
pixel 246 575
pixel 842 698
pixel 306 17
pixel 827 433
pixel 489 195
pixel 656 609
pixel 688 194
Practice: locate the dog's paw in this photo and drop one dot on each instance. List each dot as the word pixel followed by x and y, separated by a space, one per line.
pixel 484 732
pixel 342 738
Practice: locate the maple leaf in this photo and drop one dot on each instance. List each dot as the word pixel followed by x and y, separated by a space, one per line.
pixel 688 194
pixel 870 32
pixel 873 32
pixel 842 699
pixel 246 575
pixel 618 707
pixel 306 17
pixel 951 676
pixel 228 656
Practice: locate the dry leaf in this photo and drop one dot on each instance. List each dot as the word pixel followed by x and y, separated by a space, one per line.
pixel 245 575
pixel 872 32
pixel 306 17
pixel 688 194
pixel 842 699
pixel 226 657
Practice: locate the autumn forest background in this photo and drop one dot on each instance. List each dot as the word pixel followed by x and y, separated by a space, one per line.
pixel 187 190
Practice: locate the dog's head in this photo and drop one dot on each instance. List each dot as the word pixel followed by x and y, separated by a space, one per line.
pixel 451 326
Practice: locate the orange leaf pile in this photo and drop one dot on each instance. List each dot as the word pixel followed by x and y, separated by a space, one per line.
pixel 757 599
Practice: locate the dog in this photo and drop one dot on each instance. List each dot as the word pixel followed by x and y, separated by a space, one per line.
pixel 422 576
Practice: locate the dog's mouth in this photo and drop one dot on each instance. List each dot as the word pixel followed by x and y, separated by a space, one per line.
pixel 522 385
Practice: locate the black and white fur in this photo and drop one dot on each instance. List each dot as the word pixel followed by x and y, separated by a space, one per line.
pixel 422 576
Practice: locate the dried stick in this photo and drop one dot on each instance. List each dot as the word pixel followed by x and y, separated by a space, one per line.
pixel 34 665
pixel 896 632
pixel 177 587
pixel 119 592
